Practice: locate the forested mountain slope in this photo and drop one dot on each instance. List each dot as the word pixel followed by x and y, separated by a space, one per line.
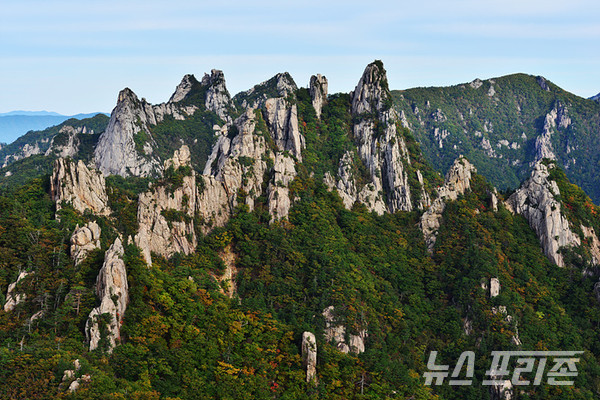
pixel 504 125
pixel 285 243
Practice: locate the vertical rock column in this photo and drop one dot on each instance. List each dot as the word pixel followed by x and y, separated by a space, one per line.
pixel 309 356
pixel 104 322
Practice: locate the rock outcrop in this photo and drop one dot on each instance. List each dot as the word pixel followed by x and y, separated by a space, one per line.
pixel 284 172
pixel 335 333
pixel 282 120
pixel 121 151
pixel 13 299
pixel 309 355
pixel 593 242
pixel 379 145
pixel 28 150
pixel 281 85
pixel 457 182
pixel 217 99
pixel 74 183
pixel 69 377
pixel 537 201
pixel 557 118
pixel 104 321
pixel 184 88
pixel 116 151
pixel 166 213
pixel 227 279
pixel 494 287
pixel 235 164
pixel 266 143
pixel 84 240
pixel 68 145
pixel 502 391
pixel 318 92
pixel 494 291
pixel 346 185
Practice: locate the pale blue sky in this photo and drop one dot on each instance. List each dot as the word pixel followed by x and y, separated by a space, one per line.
pixel 74 56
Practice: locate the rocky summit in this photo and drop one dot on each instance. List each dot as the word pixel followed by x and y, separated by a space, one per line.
pixel 288 242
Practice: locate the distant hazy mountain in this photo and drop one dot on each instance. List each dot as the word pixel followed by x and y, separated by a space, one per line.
pixel 14 124
pixel 31 113
pixel 596 98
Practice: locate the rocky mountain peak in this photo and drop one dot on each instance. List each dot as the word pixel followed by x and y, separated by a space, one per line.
pixel 318 92
pixel 380 145
pixel 182 90
pixel 126 96
pixel 281 85
pixel 121 152
pixel 285 84
pixel 372 93
pixel 217 99
pixel 116 150
pixel 216 77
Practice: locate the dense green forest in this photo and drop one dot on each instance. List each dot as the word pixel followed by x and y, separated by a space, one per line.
pixel 495 123
pixel 183 338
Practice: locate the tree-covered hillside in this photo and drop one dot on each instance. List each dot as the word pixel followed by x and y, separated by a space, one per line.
pixel 191 331
pixel 496 124
pixel 182 338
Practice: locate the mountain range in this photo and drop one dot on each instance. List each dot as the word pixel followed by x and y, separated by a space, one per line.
pixel 290 243
pixel 14 124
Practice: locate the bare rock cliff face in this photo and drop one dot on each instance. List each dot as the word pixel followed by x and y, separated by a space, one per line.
pixel 557 118
pixel 282 120
pixel 267 143
pixel 13 298
pixel 235 164
pixel 74 183
pixel 116 152
pixel 218 99
pixel 113 290
pixel 309 355
pixel 166 215
pixel 71 147
pixel 284 172
pixel 335 333
pixel 379 146
pixel 318 92
pixel 84 240
pixel 457 182
pixel 536 201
